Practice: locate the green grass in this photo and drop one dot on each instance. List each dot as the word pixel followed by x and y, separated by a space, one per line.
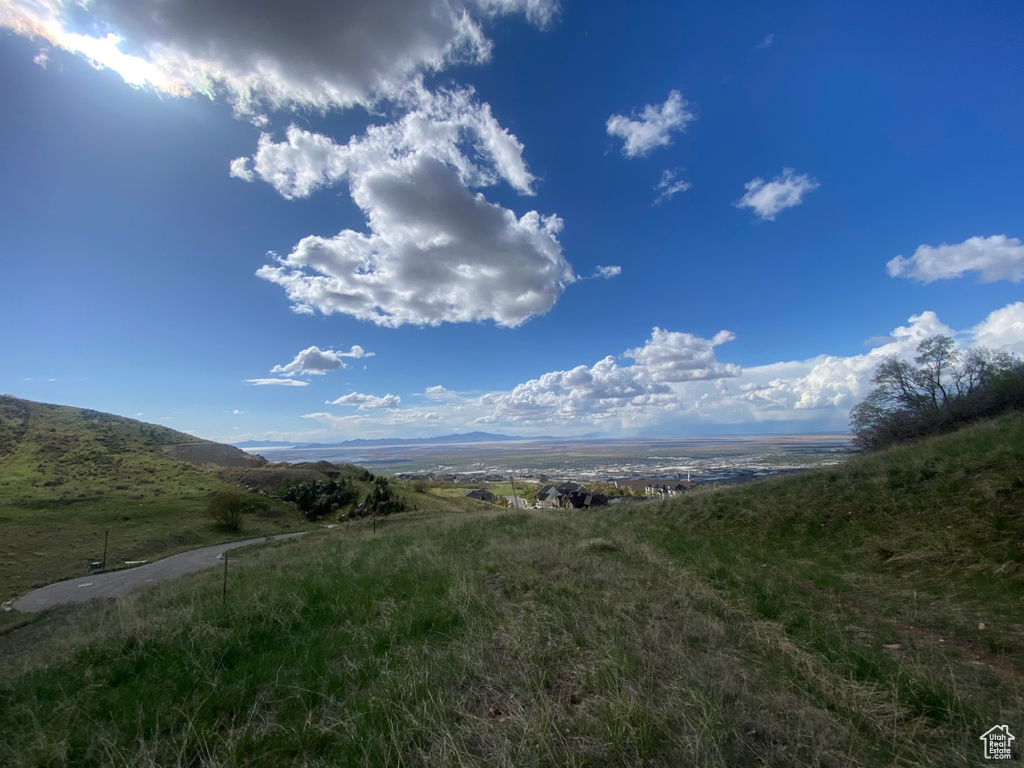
pixel 68 475
pixel 828 619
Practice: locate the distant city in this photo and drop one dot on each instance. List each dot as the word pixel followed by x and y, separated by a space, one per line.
pixel 698 459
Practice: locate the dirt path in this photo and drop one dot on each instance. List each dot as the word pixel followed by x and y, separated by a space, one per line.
pixel 114 583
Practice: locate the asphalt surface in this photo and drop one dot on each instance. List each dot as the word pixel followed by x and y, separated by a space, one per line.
pixel 114 583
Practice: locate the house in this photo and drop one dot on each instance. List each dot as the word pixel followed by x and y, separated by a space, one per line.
pixel 668 490
pixel 662 488
pixel 549 496
pixel 481 494
pixel 568 495
pixel 635 487
pixel 582 499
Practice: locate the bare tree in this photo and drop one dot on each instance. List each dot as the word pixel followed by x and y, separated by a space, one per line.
pixel 947 387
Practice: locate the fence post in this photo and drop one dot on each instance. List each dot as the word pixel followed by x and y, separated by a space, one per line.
pixel 224 594
pixel 106 537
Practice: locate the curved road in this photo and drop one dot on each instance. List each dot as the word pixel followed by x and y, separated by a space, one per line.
pixel 114 583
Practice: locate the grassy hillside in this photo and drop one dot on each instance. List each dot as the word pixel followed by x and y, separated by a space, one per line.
pixel 828 619
pixel 67 475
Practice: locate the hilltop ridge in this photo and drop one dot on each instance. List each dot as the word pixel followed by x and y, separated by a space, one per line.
pixel 68 475
pixel 69 435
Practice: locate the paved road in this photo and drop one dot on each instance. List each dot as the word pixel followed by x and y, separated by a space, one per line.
pixel 116 583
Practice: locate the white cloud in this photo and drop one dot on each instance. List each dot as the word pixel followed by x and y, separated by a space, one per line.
pixel 277 382
pixel 767 199
pixel 413 416
pixel 312 360
pixel 451 126
pixel 677 385
pixel 608 391
pixel 239 169
pixel 367 402
pixel 296 167
pixel 436 253
pixel 677 381
pixel 767 42
pixel 654 126
pixel 995 258
pixel 673 356
pixel 1003 329
pixel 338 422
pixel 580 394
pixel 823 387
pixel 303 53
pixel 41 58
pixel 608 272
pixel 669 186
pixel 356 352
pixel 378 423
pixel 237 412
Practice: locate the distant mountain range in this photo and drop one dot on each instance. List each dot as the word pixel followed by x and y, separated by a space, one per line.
pixel 468 437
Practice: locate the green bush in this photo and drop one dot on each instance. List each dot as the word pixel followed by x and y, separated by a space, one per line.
pixel 318 498
pixel 225 507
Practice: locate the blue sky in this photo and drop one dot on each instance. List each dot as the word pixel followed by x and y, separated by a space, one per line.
pixel 514 216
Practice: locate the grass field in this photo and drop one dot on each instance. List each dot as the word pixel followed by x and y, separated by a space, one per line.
pixel 829 619
pixel 68 476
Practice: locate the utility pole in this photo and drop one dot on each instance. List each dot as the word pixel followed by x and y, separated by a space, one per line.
pixel 512 480
pixel 106 537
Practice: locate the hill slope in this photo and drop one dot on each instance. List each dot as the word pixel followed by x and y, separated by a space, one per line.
pixel 67 475
pixel 866 614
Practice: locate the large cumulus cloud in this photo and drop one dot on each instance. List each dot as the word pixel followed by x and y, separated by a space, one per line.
pixel 610 391
pixel 303 53
pixel 436 250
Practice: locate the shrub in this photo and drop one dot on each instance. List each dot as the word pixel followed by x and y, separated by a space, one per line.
pixel 225 507
pixel 318 498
